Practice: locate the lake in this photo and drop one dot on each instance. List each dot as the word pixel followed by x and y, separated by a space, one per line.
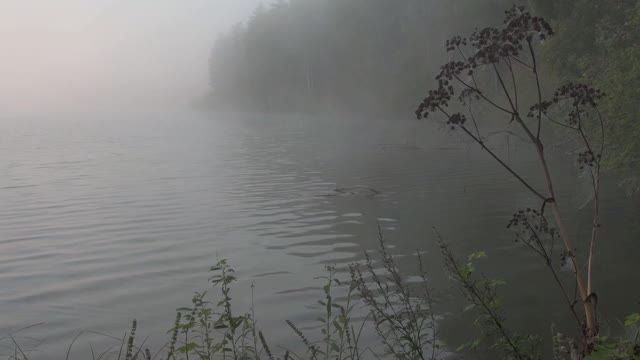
pixel 113 215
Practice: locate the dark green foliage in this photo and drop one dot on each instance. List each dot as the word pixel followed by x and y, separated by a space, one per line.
pixel 621 349
pixel 404 321
pixel 400 312
pixel 598 43
pixel 481 294
pixel 339 336
pixel 211 329
pixel 376 57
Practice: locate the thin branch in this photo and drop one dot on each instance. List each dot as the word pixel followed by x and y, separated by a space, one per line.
pixel 559 123
pixel 481 94
pixel 582 134
pixel 18 347
pixel 549 265
pixel 475 124
pixel 513 80
pixel 507 167
pixel 522 62
pixel 504 88
pixel 595 181
pixel 602 137
pixel 508 132
pixel 473 77
pixel 526 129
pixel 535 71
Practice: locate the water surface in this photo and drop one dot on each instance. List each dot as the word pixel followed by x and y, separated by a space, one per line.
pixel 114 215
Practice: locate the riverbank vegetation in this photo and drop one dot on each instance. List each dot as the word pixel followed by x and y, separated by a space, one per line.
pixel 375 57
pixel 398 313
pixel 509 55
pixel 494 74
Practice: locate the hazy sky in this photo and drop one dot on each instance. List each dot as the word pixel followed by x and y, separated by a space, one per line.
pixel 65 53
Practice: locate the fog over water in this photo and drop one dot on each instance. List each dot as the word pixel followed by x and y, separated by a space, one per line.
pixel 118 189
pixel 61 55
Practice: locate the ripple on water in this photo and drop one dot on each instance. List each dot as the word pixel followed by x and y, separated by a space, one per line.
pixel 109 218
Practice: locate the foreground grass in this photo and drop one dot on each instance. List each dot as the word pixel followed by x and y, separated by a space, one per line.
pixel 401 315
pixel 375 299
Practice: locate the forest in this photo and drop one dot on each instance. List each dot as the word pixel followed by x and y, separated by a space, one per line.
pixel 376 58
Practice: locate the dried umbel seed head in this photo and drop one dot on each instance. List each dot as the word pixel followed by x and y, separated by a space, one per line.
pixel 467 94
pixel 436 98
pixel 522 217
pixel 580 94
pixel 457 119
pixel 519 24
pixel 574 116
pixel 492 44
pixel 529 223
pixel 488 46
pixel 543 107
pixel 455 42
pixel 587 158
pixel 451 69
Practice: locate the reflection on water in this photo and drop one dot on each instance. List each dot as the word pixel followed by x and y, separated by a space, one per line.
pixel 107 217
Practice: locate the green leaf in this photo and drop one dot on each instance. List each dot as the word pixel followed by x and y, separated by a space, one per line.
pixel 477 255
pixel 187 348
pixel 632 319
pixel 469 307
pixel 326 288
pixel 468 269
pixel 469 346
pixel 337 325
pixel 601 354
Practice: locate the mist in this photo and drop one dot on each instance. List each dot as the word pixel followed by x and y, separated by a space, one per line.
pixel 150 147
pixel 69 54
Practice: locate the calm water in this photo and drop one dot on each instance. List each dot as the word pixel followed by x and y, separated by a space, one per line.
pixel 110 216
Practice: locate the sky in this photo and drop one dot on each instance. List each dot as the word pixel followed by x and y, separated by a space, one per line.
pixel 61 54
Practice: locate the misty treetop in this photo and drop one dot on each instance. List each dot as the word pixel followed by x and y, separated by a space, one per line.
pixel 364 56
pixel 376 57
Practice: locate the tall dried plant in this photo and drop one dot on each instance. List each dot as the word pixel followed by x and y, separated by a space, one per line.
pixel 507 54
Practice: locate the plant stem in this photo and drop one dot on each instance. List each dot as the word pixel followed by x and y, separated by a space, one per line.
pixel 588 306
